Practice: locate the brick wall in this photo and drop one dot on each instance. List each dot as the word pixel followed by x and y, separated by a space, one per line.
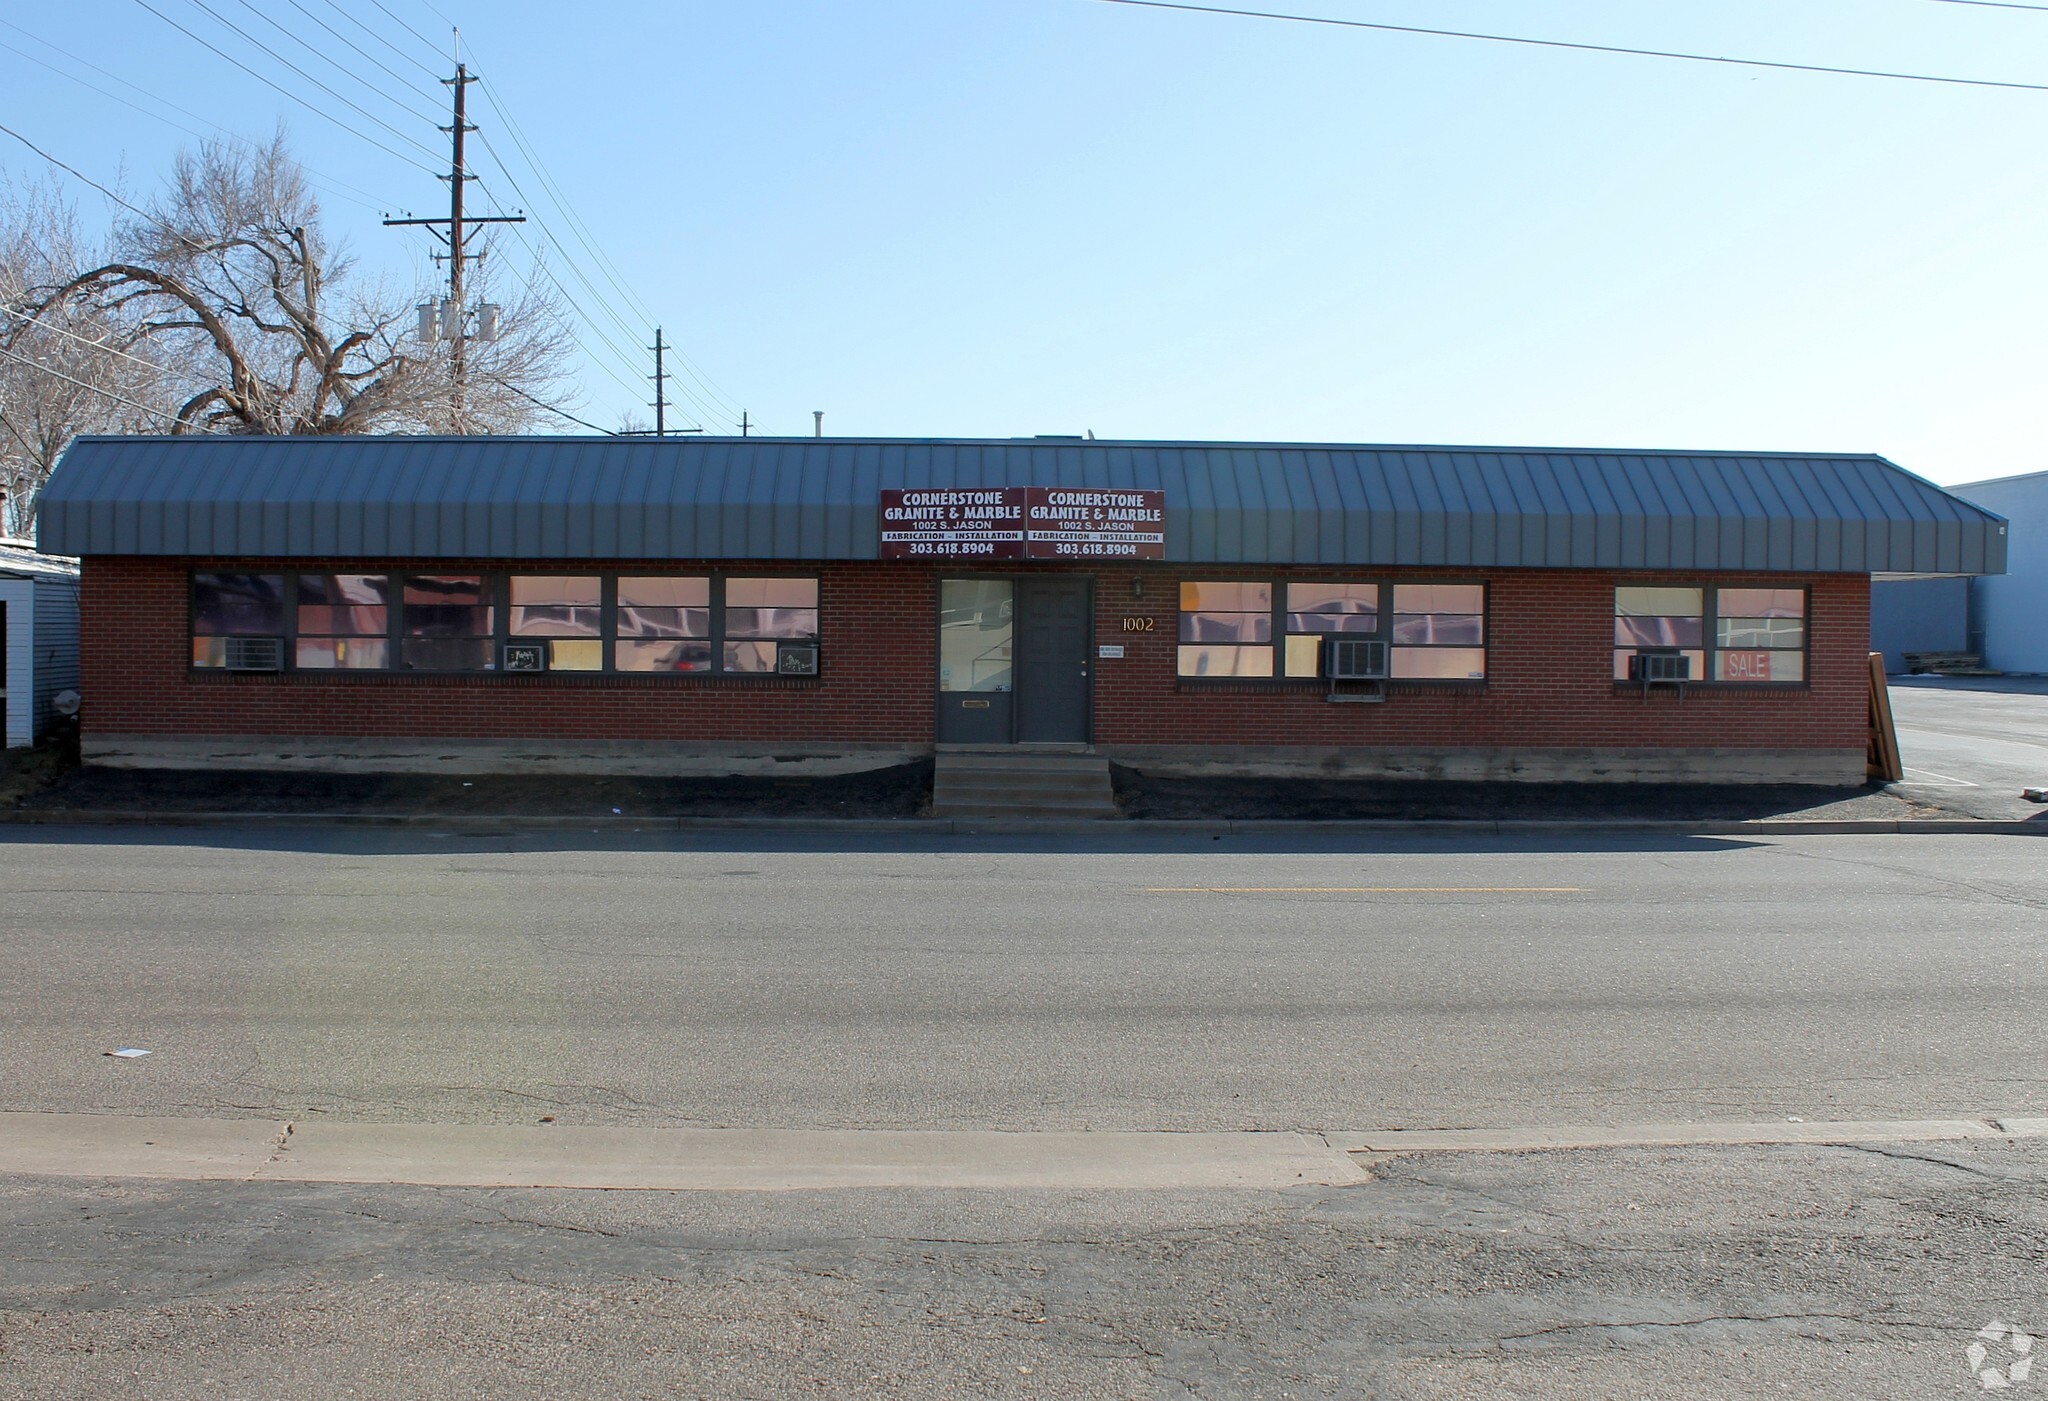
pixel 1549 683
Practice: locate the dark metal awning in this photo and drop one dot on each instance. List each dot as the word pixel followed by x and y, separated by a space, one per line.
pixel 545 498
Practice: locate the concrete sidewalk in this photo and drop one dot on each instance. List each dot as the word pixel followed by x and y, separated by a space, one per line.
pixel 611 1158
pixel 982 826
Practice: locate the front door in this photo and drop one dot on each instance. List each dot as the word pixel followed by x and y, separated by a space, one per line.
pixel 1013 660
pixel 1053 633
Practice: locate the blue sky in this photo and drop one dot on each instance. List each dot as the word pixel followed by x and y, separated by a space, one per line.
pixel 1004 217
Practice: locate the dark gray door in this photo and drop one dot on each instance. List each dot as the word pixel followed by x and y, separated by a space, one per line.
pixel 1053 635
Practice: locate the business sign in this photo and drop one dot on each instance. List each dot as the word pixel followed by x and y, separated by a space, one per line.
pixel 1016 522
pixel 1084 523
pixel 985 523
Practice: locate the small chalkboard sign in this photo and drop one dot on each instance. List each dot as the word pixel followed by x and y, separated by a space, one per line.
pixel 526 656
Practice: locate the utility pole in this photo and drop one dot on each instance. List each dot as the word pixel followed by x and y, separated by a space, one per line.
pixel 660 376
pixel 746 425
pixel 452 322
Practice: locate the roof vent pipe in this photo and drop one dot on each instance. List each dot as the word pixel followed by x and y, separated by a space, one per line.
pixel 817 423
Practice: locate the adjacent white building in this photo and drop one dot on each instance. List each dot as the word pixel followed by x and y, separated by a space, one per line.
pixel 39 624
pixel 2009 612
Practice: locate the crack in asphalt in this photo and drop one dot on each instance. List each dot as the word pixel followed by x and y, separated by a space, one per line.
pixel 1945 1329
pixel 1924 1158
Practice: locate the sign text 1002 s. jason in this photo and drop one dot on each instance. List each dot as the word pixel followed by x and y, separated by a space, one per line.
pixel 998 523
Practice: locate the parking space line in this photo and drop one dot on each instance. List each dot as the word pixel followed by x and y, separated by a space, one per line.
pixel 1955 782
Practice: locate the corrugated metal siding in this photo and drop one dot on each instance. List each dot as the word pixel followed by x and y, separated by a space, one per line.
pixel 17 636
pixel 56 646
pixel 812 498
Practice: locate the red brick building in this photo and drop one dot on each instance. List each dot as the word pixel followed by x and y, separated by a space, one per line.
pixel 822 605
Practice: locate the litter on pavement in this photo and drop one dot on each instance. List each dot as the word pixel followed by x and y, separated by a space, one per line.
pixel 129 1053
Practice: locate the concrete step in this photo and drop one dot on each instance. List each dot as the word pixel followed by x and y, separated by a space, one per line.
pixel 1022 763
pixel 1085 812
pixel 1021 784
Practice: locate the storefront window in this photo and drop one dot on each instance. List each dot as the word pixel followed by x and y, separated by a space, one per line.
pixel 1315 611
pixel 1760 634
pixel 447 623
pixel 1433 632
pixel 233 605
pixel 761 612
pixel 1660 617
pixel 1439 632
pixel 664 624
pixel 1733 634
pixel 653 623
pixel 1226 629
pixel 565 611
pixel 343 622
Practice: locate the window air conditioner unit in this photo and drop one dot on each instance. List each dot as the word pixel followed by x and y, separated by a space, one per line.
pixel 1659 664
pixel 1354 659
pixel 255 654
pixel 797 659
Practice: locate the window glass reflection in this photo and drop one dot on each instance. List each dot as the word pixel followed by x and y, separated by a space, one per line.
pixel 976 634
pixel 446 606
pixel 556 606
pixel 671 655
pixel 343 605
pixel 238 605
pixel 1226 661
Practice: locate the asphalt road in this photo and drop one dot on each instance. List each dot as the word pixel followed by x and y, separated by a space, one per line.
pixel 972 984
pixel 1972 744
pixel 991 984
pixel 1665 1275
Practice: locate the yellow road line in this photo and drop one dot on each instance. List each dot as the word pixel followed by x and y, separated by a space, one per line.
pixel 1364 889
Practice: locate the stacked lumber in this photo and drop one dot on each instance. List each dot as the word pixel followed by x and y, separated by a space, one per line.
pixel 1948 664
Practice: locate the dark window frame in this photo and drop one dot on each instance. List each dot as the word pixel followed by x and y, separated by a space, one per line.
pixel 497 593
pixel 1710 631
pixel 1383 632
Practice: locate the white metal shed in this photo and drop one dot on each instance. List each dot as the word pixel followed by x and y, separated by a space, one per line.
pixel 39 623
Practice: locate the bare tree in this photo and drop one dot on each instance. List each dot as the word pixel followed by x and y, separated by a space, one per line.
pixel 228 276
pixel 64 370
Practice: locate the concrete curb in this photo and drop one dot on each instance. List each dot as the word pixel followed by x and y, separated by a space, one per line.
pixel 660 1159
pixel 1388 1142
pixel 1049 827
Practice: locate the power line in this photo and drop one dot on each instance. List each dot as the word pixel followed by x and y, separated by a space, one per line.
pixel 1584 48
pixel 326 116
pixel 597 328
pixel 705 383
pixel 246 37
pixel 308 46
pixel 328 182
pixel 397 77
pixel 406 27
pixel 74 170
pixel 335 6
pixel 101 346
pixel 578 230
pixel 1996 5
pixel 563 413
pixel 92 388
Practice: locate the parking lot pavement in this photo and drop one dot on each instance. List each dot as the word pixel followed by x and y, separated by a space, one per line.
pixel 1972 743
